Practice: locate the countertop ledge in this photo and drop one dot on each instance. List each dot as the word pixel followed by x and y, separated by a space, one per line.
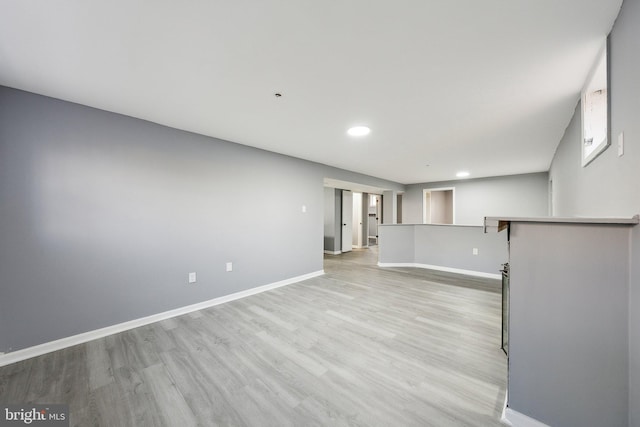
pixel 497 223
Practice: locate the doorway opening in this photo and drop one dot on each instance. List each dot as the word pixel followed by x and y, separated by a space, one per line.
pixel 351 220
pixel 364 214
pixel 375 215
pixel 352 215
pixel 360 215
pixel 439 206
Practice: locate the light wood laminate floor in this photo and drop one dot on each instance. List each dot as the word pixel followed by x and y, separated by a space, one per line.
pixel 359 346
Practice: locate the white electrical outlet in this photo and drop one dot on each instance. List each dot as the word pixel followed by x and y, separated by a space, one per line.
pixel 192 277
pixel 475 251
pixel 229 266
pixel 621 144
pixel 304 208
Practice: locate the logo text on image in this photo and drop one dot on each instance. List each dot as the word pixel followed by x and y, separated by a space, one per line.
pixel 35 414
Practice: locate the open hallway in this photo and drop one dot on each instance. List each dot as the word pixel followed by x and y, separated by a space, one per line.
pixel 360 345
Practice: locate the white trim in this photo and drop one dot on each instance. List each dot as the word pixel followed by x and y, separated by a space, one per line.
pixel 516 419
pixel 332 252
pixel 48 347
pixel 503 416
pixel 440 268
pixel 397 264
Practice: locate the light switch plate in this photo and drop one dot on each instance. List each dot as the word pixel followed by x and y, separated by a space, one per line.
pixel 229 266
pixel 621 144
pixel 192 277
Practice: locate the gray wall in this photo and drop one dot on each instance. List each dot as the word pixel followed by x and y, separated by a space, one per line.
pixel 607 187
pixel 4 332
pixel 452 246
pixel 332 215
pixel 390 207
pixel 443 246
pixel 568 324
pixel 103 216
pixel 396 244
pixel 515 195
pixel 610 185
pixel 634 330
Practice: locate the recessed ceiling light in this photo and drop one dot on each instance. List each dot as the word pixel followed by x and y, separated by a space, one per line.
pixel 359 131
pixel 462 174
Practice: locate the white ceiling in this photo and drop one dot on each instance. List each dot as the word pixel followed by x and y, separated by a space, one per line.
pixel 485 86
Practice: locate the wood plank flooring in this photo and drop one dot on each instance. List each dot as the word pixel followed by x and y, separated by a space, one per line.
pixel 360 346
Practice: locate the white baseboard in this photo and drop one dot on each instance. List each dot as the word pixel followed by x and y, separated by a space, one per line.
pixel 440 268
pixel 503 416
pixel 516 419
pixel 397 264
pixel 48 347
pixel 333 252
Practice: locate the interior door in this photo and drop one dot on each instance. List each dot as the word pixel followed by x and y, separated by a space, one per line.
pixel 347 220
pixel 378 215
pixel 357 220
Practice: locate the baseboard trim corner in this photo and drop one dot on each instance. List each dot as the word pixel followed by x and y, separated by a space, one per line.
pixel 48 347
pixel 503 415
pixel 332 252
pixel 441 268
pixel 516 419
